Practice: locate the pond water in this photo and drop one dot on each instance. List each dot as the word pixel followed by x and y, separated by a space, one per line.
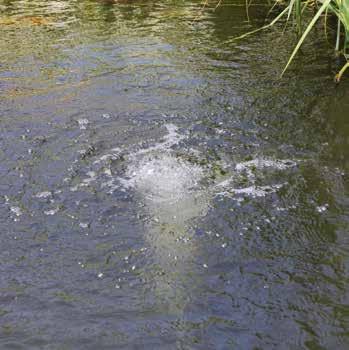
pixel 162 188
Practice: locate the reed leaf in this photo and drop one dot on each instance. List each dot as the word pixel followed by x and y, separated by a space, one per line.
pixel 306 32
pixel 277 18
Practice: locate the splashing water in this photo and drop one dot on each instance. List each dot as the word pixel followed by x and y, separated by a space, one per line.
pixel 174 194
pixel 159 176
pixel 164 178
pixel 171 191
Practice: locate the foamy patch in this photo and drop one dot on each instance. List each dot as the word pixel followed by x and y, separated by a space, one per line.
pixel 171 139
pixel 83 123
pixel 111 185
pixel 16 210
pixel 158 175
pixel 163 178
pixel 262 163
pixel 114 154
pixel 251 191
pixel 45 194
pixel 248 169
pixel 92 177
pixel 52 211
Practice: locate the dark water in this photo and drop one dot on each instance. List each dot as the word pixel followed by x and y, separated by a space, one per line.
pixel 161 188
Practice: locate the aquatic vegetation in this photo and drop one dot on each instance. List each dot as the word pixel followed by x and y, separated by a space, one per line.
pixel 295 9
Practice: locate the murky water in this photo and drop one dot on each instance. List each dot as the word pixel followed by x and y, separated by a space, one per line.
pixel 161 188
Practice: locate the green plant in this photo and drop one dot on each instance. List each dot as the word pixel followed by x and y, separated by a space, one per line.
pixel 296 8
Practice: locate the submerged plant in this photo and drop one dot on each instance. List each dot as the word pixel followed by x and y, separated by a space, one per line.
pixel 295 10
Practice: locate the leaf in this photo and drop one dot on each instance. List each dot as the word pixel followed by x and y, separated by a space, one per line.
pixel 264 27
pixel 306 32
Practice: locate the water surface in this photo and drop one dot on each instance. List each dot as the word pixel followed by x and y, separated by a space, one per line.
pixel 161 188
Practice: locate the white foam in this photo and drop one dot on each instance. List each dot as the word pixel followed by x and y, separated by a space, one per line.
pixel 163 178
pixel 252 191
pixel 160 176
pixel 262 163
pixel 172 138
pixel 247 168
pixel 16 210
pixel 51 211
pixel 44 194
pixel 114 155
pixel 83 123
pixel 91 177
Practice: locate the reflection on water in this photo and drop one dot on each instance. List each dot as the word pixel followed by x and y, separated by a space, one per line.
pixel 160 188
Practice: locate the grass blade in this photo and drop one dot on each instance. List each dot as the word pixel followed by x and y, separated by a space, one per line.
pixel 262 28
pixel 306 32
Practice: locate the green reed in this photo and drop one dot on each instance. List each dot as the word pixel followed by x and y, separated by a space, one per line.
pixel 294 11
